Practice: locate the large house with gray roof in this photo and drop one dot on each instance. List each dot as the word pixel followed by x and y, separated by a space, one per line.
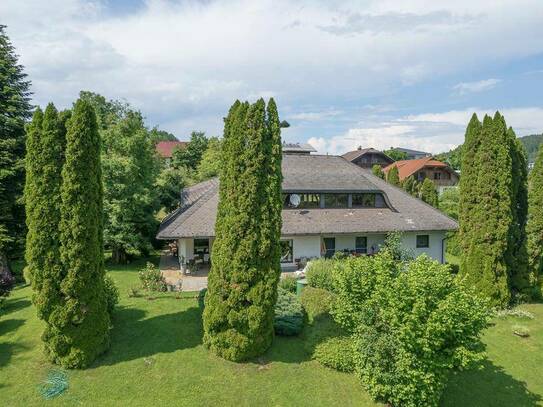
pixel 330 205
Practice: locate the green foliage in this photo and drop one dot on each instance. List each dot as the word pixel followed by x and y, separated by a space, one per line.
pixel 395 154
pixel 534 227
pixel 393 244
pixel 6 282
pixel 393 176
pixel 209 165
pixel 411 323
pixel 411 186
pixel 151 278
pixel 320 273
pixel 449 202
pixel 242 283
pixel 453 158
pixel 532 144
pixel 169 184
pixel 157 135
pixel 428 193
pixel 337 353
pixel 288 283
pixel 316 302
pixel 14 110
pixel 80 326
pixel 45 144
pixel 191 156
pixel 112 294
pixel 378 171
pixel 289 314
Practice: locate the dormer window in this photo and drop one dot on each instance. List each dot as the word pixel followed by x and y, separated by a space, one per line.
pixel 368 200
pixel 301 201
pixel 337 200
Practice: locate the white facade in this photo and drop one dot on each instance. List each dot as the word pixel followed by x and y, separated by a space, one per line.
pixel 309 246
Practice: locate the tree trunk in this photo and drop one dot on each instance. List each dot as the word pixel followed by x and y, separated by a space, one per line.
pixel 119 256
pixel 6 278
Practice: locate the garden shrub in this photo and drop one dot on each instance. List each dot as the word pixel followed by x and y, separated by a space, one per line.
pixel 151 278
pixel 6 284
pixel 201 298
pixel 316 301
pixel 337 353
pixel 411 322
pixel 319 330
pixel 112 294
pixel 288 283
pixel 289 314
pixel 320 273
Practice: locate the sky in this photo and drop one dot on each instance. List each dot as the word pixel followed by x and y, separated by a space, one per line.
pixel 381 73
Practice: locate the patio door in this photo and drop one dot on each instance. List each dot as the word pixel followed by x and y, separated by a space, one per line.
pixel 329 246
pixel 201 249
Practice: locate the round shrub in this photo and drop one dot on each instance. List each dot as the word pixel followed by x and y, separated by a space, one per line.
pixel 320 273
pixel 112 294
pixel 289 314
pixel 316 301
pixel 151 278
pixel 337 353
pixel 288 283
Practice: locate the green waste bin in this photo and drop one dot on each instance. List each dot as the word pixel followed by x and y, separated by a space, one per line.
pixel 300 284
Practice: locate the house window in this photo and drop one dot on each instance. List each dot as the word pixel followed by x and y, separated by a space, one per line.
pixel 301 201
pixel 329 246
pixel 336 200
pixel 361 244
pixel 287 252
pixel 201 246
pixel 437 175
pixel 368 200
pixel 421 175
pixel 423 241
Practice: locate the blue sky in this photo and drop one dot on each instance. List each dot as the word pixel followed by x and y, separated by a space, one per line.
pixel 370 73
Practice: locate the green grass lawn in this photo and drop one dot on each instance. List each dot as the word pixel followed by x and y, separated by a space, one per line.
pixel 157 358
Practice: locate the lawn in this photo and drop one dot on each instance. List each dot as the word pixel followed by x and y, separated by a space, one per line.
pixel 157 358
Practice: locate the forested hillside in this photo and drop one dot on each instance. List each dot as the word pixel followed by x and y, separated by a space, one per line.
pixel 531 143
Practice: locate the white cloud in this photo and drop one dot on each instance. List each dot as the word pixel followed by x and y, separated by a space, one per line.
pixel 478 86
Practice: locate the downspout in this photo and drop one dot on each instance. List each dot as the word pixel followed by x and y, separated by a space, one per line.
pixel 443 249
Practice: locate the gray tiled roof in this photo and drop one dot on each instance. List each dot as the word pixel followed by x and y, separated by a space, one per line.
pixel 298 148
pixel 313 173
pixel 353 155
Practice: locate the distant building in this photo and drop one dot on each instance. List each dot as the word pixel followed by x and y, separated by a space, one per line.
pixel 165 149
pixel 368 157
pixel 412 154
pixel 298 148
pixel 441 174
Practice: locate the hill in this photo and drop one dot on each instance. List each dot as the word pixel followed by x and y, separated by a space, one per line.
pixel 531 143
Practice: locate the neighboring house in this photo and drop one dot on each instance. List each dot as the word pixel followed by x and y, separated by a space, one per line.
pixel 368 157
pixel 412 154
pixel 442 175
pixel 329 205
pixel 165 149
pixel 297 148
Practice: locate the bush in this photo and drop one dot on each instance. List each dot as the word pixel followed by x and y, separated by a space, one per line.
pixel 6 284
pixel 288 283
pixel 320 273
pixel 316 302
pixel 201 298
pixel 133 292
pixel 337 353
pixel 151 278
pixel 289 314
pixel 411 323
pixel 112 294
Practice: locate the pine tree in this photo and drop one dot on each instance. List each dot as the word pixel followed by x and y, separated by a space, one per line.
pixel 411 186
pixel 517 253
pixel 83 322
pixel 14 110
pixel 378 171
pixel 428 193
pixel 242 284
pixel 393 177
pixel 46 140
pixel 534 227
pixel 484 264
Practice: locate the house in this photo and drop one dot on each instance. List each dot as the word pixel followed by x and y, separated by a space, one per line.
pixel 368 157
pixel 412 154
pixel 329 205
pixel 165 149
pixel 298 148
pixel 441 174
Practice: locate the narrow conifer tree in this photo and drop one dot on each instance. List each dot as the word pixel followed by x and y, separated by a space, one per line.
pixel 83 322
pixel 484 264
pixel 534 227
pixel 393 176
pixel 378 171
pixel 46 140
pixel 242 285
pixel 428 193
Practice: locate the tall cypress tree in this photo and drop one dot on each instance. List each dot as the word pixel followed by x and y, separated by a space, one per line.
pixel 468 179
pixel 485 264
pixel 15 109
pixel 242 284
pixel 534 227
pixel 393 176
pixel 46 141
pixel 428 193
pixel 83 322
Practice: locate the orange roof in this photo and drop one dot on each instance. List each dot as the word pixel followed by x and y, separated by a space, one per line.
pixel 409 167
pixel 165 148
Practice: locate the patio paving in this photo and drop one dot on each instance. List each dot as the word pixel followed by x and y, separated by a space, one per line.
pixel 169 267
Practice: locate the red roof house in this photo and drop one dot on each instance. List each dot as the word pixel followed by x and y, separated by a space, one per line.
pixel 439 172
pixel 165 148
